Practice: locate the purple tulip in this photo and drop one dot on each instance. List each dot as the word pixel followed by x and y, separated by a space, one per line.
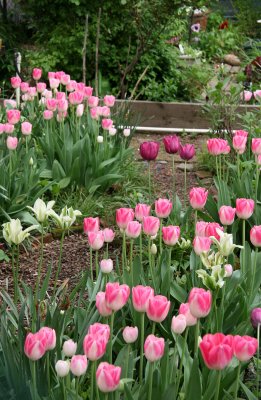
pixel 256 317
pixel 187 151
pixel 171 144
pixel 149 150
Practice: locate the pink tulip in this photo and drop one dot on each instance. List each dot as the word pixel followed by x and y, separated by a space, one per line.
pixel 9 102
pixel 47 115
pixel 59 74
pixel 217 146
pixel 244 208
pixel 200 301
pixel 211 229
pixel 198 198
pixel 227 215
pixel 93 101
pixel 133 229
pixel 32 92
pixel 247 95
pixel 54 83
pixel 228 270
pixel 65 79
pixel 201 228
pixel 96 240
pixel 171 144
pixel 26 128
pixel 108 377
pixel 75 98
pixel 201 244
pixel 256 146
pixel 163 208
pixel 257 94
pixel 106 266
pixel 244 347
pixel 13 116
pixel 255 236
pixel 124 216
pixel 69 348
pixel 126 132
pixel 151 225
pixel 80 86
pixel 109 100
pixel 40 87
pixel 101 305
pixel 130 334
pixel 51 104
pixel 107 123
pixel 47 94
pixel 15 82
pixel 79 110
pixel 2 128
pixel 100 330
pixel 140 297
pixel 239 144
pixel 109 235
pixel 116 295
pixel 50 337
pixel 141 210
pixel 35 346
pixel 217 350
pixel 24 87
pixel 11 142
pixel 170 234
pixel 154 348
pixel 149 150
pixel 106 112
pixel 187 152
pixel 158 308
pixel 51 75
pixel 91 224
pixel 258 160
pixel 94 113
pixel 94 346
pixel 185 310
pixel 9 128
pixel 78 365
pixel 62 105
pixel 37 73
pixel 179 324
pixel 87 92
pixel 256 317
pixel 241 132
pixel 71 86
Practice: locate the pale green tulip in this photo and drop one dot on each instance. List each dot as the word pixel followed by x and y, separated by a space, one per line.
pixel 42 210
pixel 13 231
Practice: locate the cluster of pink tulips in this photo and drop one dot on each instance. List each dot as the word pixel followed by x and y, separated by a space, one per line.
pixel 247 95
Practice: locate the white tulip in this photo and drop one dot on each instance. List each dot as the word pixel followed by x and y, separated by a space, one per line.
pixel 13 231
pixel 100 139
pixel 62 368
pixel 42 210
pixel 66 218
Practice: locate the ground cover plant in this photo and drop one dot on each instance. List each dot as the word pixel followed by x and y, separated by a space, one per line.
pixel 175 311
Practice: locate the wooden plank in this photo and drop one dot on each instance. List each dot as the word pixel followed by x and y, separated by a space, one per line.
pixel 175 115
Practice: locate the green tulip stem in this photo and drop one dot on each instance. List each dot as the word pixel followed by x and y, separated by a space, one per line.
pixel 111 336
pixel 141 250
pixel 238 166
pixel 97 264
pixel 48 372
pixel 218 385
pixel 196 338
pixel 151 367
pixel 107 251
pixel 217 169
pixel 123 251
pixel 257 181
pixel 185 185
pixel 150 199
pixel 237 380
pixel 173 179
pixel 77 387
pixel 142 317
pixel 127 359
pixel 13 270
pixel 160 236
pixel 92 379
pixel 33 374
pixel 59 262
pixel 39 266
pixel 243 244
pixel 181 361
pixel 169 270
pixel 91 270
pixel 254 272
pixel 153 327
pixel 196 219
pixel 131 263
pixel 150 263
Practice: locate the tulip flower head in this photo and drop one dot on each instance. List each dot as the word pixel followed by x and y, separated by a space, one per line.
pixel 154 348
pixel 42 210
pixel 149 150
pixel 217 350
pixel 108 377
pixel 13 231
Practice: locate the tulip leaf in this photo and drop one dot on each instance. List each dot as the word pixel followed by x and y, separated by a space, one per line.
pixel 248 393
pixel 194 390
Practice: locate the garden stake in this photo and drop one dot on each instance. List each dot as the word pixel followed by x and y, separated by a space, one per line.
pixel 237 380
pixel 142 316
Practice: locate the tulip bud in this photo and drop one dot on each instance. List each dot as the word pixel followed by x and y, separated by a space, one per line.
pixel 112 131
pixel 228 270
pixel 78 365
pixel 130 334
pixel 126 132
pixel 106 266
pixel 178 324
pixel 100 139
pixel 62 368
pixel 256 317
pixel 153 249
pixel 31 161
pixel 69 348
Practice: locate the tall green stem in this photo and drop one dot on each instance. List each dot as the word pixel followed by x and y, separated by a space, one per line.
pixel 243 244
pixel 92 379
pixel 257 181
pixel 196 339
pixel 254 273
pixel 91 270
pixel 150 262
pixel 218 385
pixel 39 266
pixel 131 263
pixel 33 374
pixel 237 380
pixel 238 166
pixel 13 270
pixel 97 264
pixel 107 251
pixel 111 336
pixel 59 262
pixel 257 360
pixel 217 169
pixel 127 359
pixel 185 186
pixel 169 269
pixel 77 387
pixel 150 200
pixel 123 250
pixel 160 236
pixel 196 219
pixel 151 367
pixel 142 316
pixel 181 362
pixel 141 250
pixel 173 179
pixel 48 372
